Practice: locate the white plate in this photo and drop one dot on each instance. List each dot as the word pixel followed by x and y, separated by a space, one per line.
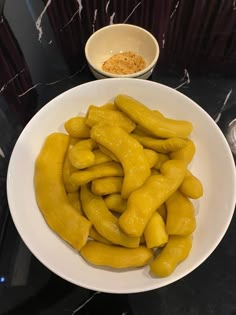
pixel 213 164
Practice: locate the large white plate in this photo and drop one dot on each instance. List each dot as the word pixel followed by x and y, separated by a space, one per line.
pixel 213 164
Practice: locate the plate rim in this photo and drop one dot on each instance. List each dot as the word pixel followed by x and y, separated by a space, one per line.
pixel 37 255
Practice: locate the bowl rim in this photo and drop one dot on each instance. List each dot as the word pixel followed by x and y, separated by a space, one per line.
pixel 132 75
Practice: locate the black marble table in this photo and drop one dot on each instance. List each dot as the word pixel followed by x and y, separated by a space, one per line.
pixel 41 56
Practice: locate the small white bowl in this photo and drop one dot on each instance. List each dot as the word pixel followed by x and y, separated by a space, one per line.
pixel 118 38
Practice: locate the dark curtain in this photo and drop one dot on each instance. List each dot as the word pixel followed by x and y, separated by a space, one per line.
pixel 70 31
pixel 201 36
pixel 15 107
pixel 15 77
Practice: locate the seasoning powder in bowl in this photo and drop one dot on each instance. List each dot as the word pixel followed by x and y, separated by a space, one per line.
pixel 124 63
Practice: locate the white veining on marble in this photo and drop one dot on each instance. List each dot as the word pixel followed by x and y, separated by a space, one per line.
pixel 80 8
pixel 2 153
pixel 11 80
pixel 112 18
pixel 107 5
pixel 3 88
pixel 94 19
pixel 70 20
pixel 175 9
pixel 134 9
pixel 28 90
pixel 38 23
pixel 85 303
pixel 186 79
pixel 163 40
pixel 223 106
pixel 53 82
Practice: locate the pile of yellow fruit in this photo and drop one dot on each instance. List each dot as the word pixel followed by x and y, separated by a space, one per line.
pixel 117 187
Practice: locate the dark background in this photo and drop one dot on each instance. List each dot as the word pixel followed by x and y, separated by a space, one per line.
pixel 41 56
